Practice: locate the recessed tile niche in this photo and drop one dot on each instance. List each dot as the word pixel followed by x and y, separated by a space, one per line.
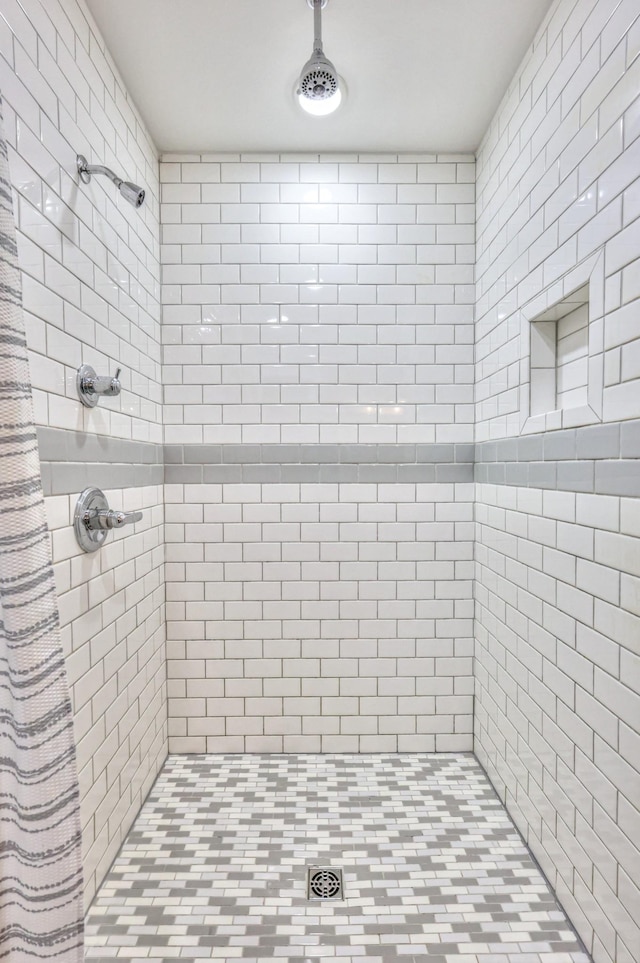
pixel 560 354
pixel 561 335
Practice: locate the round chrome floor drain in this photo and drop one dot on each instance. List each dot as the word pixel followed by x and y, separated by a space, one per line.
pixel 324 882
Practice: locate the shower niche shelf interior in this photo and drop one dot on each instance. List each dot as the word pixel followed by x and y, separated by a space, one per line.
pixel 563 352
pixel 560 355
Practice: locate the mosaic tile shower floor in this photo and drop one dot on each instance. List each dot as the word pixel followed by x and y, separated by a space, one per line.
pixel 215 867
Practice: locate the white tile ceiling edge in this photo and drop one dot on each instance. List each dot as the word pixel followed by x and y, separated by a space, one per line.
pixel 218 75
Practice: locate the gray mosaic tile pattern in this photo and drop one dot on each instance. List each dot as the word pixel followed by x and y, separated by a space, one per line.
pixel 215 867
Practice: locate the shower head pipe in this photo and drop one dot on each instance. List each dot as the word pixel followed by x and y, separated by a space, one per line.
pixel 131 192
pixel 318 88
pixel 317 6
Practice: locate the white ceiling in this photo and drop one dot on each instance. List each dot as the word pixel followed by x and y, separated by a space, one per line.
pixel 218 75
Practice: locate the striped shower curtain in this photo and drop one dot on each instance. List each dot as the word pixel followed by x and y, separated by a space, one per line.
pixel 40 845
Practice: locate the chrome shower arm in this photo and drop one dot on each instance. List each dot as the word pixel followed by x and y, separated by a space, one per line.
pixel 131 192
pixel 99 169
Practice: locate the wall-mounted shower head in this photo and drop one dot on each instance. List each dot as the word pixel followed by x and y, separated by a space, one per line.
pixel 318 89
pixel 131 192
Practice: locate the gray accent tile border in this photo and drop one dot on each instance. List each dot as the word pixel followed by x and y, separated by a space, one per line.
pixel 317 464
pixel 604 459
pixel 58 444
pixel 620 477
pixel 317 474
pixel 344 454
pixel 617 440
pixel 73 460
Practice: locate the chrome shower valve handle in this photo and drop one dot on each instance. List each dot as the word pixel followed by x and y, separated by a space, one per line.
pixel 92 386
pixel 93 519
pixel 107 519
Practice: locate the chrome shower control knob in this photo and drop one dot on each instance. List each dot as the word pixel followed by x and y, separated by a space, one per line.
pixel 93 519
pixel 91 386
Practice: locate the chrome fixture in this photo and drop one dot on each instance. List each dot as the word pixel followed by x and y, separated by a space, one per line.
pixel 131 192
pixel 91 386
pixel 319 88
pixel 93 519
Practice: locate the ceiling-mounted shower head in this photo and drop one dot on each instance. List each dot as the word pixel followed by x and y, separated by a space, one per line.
pixel 319 78
pixel 131 192
pixel 318 89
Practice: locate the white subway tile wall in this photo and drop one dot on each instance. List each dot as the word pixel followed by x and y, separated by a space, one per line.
pixel 557 580
pixel 329 617
pixel 558 182
pixel 558 693
pixel 311 299
pixel 318 299
pixel 90 261
pixel 112 617
pixel 91 272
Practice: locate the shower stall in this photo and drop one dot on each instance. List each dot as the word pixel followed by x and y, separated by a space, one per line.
pixel 339 460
